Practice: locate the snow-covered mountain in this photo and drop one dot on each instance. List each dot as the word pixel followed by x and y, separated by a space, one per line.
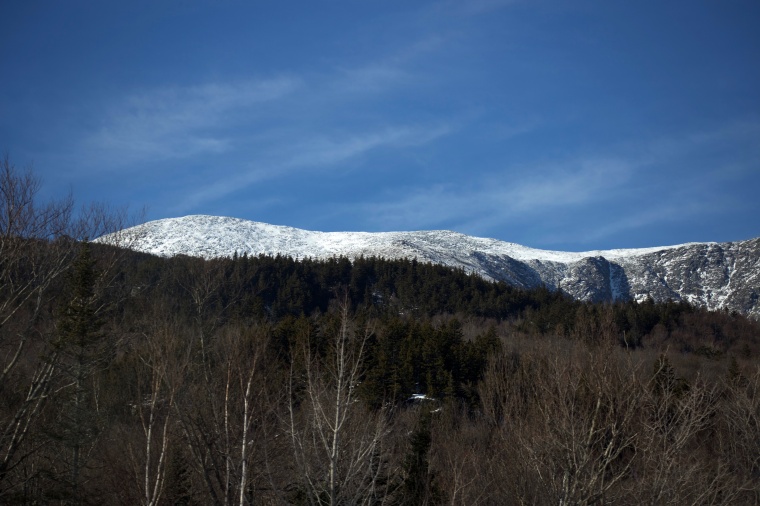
pixel 712 275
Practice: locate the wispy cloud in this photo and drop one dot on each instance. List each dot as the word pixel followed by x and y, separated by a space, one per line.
pixel 583 181
pixel 680 207
pixel 179 122
pixel 501 197
pixel 322 150
pixel 372 78
pixel 645 184
pixel 313 153
pixel 397 70
pixel 640 218
pixel 724 149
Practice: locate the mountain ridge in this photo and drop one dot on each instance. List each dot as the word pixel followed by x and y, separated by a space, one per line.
pixel 712 275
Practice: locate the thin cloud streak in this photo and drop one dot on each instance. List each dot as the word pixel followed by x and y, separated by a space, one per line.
pixel 374 78
pixel 664 213
pixel 681 208
pixel 501 198
pixel 587 187
pixel 393 72
pixel 314 154
pixel 560 188
pixel 179 122
pixel 323 151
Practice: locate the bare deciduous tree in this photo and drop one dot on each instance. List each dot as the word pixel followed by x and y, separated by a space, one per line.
pixel 222 420
pixel 27 268
pixel 163 362
pixel 38 244
pixel 740 439
pixel 580 441
pixel 675 418
pixel 337 442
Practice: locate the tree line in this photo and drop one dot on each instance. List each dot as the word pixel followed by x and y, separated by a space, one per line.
pixel 133 379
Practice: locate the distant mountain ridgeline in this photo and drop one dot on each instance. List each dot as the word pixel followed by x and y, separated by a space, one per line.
pixel 709 275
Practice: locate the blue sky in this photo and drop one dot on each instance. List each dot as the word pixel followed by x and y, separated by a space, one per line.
pixel 554 124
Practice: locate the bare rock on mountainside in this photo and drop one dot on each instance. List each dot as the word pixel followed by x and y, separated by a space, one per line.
pixel 710 275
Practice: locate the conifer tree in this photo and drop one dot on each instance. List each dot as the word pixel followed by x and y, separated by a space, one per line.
pixel 82 347
pixel 417 488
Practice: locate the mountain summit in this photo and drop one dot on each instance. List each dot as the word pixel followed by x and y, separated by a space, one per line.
pixel 711 275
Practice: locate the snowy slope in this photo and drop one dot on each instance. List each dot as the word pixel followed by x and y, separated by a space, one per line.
pixel 707 274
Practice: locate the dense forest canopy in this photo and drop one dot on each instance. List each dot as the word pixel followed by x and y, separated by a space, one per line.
pixel 134 379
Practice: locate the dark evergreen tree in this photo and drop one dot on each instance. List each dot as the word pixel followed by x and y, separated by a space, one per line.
pixel 418 487
pixel 83 350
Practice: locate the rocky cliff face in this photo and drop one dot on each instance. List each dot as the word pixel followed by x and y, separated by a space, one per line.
pixel 711 275
pixel 715 276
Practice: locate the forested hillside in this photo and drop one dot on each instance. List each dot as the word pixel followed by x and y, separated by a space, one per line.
pixel 133 379
pixel 715 276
